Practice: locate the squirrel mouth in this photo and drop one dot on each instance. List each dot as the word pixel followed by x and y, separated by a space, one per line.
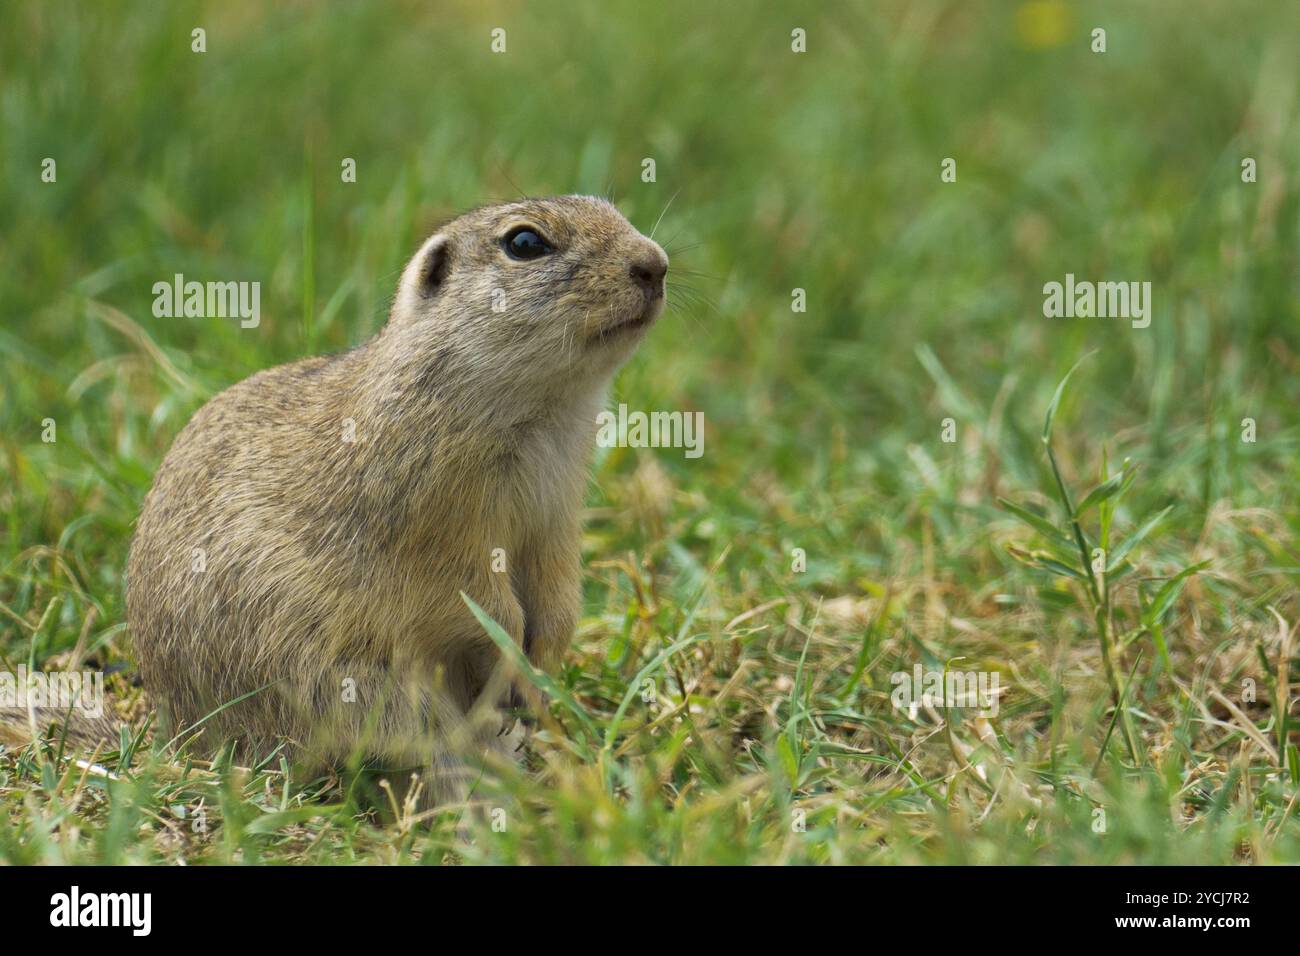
pixel 619 329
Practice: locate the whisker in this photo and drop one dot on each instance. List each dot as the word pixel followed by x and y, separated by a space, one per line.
pixel 662 214
pixel 694 274
pixel 513 185
pixel 675 235
pixel 676 250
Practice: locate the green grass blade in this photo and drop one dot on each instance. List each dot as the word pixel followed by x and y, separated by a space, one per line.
pixel 1056 399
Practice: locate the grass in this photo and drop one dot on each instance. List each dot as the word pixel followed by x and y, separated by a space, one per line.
pixel 717 705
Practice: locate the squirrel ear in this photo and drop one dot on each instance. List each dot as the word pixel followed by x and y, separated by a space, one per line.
pixel 434 266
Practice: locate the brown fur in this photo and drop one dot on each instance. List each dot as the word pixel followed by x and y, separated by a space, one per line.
pixel 328 560
pixel 75 730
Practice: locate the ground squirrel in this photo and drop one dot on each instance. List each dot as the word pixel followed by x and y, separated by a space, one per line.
pixel 309 534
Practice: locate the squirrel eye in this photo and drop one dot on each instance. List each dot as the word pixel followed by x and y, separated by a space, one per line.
pixel 524 243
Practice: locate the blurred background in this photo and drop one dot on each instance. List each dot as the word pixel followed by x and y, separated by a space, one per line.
pixel 775 170
pixel 819 171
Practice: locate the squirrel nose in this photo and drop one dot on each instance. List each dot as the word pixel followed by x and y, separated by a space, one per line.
pixel 649 271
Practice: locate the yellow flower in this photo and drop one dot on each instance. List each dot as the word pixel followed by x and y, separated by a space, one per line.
pixel 1042 24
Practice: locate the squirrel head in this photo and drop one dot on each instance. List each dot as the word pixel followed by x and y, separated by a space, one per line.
pixel 544 291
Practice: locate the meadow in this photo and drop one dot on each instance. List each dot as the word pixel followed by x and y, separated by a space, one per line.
pixel 907 469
